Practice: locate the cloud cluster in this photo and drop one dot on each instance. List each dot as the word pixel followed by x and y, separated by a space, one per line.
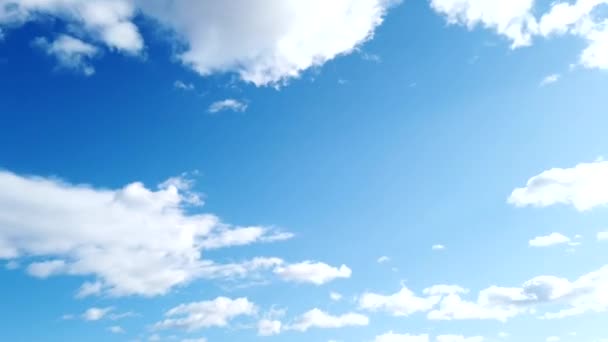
pixel 264 42
pixel 70 52
pixel 132 240
pixel 515 20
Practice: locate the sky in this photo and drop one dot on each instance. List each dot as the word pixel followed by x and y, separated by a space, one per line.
pixel 284 170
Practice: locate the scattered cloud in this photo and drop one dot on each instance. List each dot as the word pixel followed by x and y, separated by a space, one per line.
pixel 200 339
pixel 268 327
pixel 71 53
pixel 95 314
pixel 438 247
pixel 402 303
pixel 335 296
pixel 12 265
pixel 116 329
pixel 553 339
pixel 550 79
pixel 549 240
pixel 317 273
pixel 183 86
pixel 516 21
pixel 216 313
pixel 584 186
pixel 394 337
pixel 229 237
pixel 383 259
pixel 317 318
pixel 83 231
pixel 228 104
pixel 459 338
pixel 602 236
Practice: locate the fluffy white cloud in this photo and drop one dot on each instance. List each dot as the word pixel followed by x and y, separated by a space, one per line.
pixel 438 247
pixel 216 313
pixel 268 327
pixel 602 236
pixel 264 42
pixel 317 318
pixel 108 21
pixel 132 241
pixel 269 41
pixel 549 240
pixel 70 52
pixel 402 303
pixel 511 18
pixel 228 104
pixel 515 20
pixel 459 338
pixel 550 79
pixel 394 337
pixel 584 186
pixel 317 273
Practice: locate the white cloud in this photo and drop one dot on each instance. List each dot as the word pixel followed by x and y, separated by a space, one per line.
pixel 216 313
pixel 511 18
pixel 116 329
pixel 393 337
pixel 108 22
pixel 183 86
pixel 82 231
pixel 70 52
pixel 317 318
pixel 335 296
pixel 459 338
pixel 553 339
pixel 201 339
pixel 602 236
pixel 438 247
pixel 226 237
pixel 383 259
pixel 584 186
pixel 515 20
pixel 268 327
pixel 228 104
pixel 317 273
pixel 95 314
pixel 402 303
pixel 269 42
pixel 549 240
pixel 12 265
pixel 503 335
pixel 550 79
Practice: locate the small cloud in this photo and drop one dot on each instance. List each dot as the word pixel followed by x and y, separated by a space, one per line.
pixel 553 339
pixel 602 236
pixel 371 57
pixel 342 81
pixel 383 259
pixel 183 86
pixel 115 329
pixel 335 296
pixel 71 53
pixel 95 314
pixel 438 247
pixel 503 335
pixel 549 240
pixel 12 265
pixel 550 80
pixel 228 104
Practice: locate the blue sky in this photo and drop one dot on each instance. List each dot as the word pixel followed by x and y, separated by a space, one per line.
pixel 360 171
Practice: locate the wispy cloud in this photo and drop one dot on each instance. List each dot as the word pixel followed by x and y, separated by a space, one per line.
pixel 228 104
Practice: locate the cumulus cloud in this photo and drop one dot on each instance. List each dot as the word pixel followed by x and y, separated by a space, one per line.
pixel 215 313
pixel 317 318
pixel 131 241
pixel 549 240
pixel 264 42
pixel 394 337
pixel 108 22
pixel 515 20
pixel 317 273
pixel 71 53
pixel 402 303
pixel 584 186
pixel 228 104
pixel 268 327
